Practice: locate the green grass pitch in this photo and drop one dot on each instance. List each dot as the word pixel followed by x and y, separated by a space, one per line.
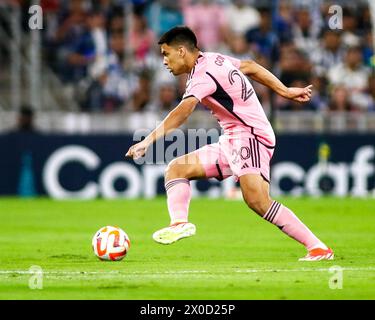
pixel 234 255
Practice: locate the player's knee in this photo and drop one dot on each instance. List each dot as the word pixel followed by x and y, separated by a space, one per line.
pixel 254 204
pixel 257 202
pixel 171 170
pixel 176 170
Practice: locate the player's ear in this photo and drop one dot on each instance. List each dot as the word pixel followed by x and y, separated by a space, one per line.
pixel 181 51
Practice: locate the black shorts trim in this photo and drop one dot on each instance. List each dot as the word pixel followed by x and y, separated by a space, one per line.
pixel 189 96
pixel 265 178
pixel 220 177
pixel 256 138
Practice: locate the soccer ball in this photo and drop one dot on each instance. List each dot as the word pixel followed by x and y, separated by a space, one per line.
pixel 110 243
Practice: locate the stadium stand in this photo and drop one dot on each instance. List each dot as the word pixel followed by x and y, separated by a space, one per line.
pixel 99 59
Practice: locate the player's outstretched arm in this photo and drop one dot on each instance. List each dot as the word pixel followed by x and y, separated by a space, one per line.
pixel 171 122
pixel 265 77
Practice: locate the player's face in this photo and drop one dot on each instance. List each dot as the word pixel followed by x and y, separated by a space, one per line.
pixel 174 58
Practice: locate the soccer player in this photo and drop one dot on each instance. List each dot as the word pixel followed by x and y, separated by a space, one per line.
pixel 244 150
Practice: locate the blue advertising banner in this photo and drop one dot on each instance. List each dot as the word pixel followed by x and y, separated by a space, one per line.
pixel 91 166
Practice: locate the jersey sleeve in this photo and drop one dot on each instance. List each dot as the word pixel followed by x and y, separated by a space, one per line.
pixel 236 62
pixel 199 86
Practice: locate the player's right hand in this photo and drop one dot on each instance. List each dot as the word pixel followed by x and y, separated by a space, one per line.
pixel 299 94
pixel 137 150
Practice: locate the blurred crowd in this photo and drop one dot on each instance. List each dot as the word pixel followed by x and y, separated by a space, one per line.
pixel 110 58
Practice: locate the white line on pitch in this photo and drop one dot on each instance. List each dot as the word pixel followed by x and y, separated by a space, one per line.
pixel 171 272
pixel 306 269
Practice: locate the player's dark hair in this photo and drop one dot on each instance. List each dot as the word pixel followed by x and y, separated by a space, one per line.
pixel 180 35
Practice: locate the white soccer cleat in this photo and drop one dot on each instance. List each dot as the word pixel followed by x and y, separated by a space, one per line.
pixel 174 232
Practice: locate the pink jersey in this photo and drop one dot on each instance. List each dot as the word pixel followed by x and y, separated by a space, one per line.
pixel 217 83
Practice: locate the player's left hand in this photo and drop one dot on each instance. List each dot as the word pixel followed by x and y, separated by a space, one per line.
pixel 138 150
pixel 300 94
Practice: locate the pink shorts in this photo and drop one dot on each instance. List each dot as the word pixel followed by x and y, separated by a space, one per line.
pixel 236 157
